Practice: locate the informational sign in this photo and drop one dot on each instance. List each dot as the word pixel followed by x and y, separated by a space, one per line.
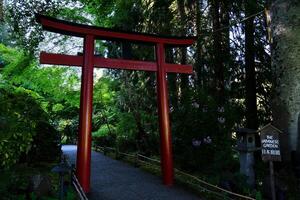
pixel 270 144
pixel 270 147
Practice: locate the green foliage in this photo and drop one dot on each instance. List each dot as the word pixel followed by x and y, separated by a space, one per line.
pixel 24 121
pixel 103 131
pixel 16 182
pixel 104 119
pixel 56 88
pixel 25 130
pixel 70 131
pixel 19 113
pixel 105 92
pixel 258 196
pixel 71 195
pixel 106 7
pixel 127 128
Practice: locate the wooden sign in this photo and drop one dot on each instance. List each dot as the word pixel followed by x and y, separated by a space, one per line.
pixel 270 144
pixel 270 150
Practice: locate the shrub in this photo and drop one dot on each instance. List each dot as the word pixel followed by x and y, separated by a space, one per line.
pixel 46 143
pixel 104 136
pixel 22 120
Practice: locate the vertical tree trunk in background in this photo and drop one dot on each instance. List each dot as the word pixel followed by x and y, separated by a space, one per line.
pixel 285 27
pixel 2 28
pixel 184 84
pixel 173 84
pixel 225 5
pixel 251 107
pixel 198 65
pixel 126 50
pixel 1 11
pixel 224 53
pixel 217 46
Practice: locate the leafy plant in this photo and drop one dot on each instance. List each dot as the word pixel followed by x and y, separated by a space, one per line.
pixel 19 114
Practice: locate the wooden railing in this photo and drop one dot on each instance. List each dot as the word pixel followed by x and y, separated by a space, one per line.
pixel 193 180
pixel 80 193
pixel 78 188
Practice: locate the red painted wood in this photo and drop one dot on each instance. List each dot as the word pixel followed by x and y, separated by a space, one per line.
pixel 61 59
pixel 164 121
pixel 60 26
pixel 83 165
pixel 176 68
pixel 125 64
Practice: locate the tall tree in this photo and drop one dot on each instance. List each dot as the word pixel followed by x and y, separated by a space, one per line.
pixel 221 51
pixel 251 107
pixel 218 65
pixel 2 26
pixel 1 11
pixel 184 81
pixel 198 64
pixel 225 44
pixel 285 26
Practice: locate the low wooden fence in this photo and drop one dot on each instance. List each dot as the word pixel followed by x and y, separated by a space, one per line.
pixel 193 180
pixel 80 193
pixel 78 188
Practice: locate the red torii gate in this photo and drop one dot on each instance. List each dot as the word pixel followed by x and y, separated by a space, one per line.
pixel 88 61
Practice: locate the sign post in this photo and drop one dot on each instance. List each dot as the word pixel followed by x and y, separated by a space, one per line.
pixel 270 150
pixel 272 181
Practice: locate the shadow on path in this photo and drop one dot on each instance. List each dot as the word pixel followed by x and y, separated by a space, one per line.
pixel 116 180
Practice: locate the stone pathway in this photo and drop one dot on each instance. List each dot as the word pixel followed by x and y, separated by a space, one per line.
pixel 115 180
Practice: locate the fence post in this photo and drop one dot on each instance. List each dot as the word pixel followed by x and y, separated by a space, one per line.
pixel 136 160
pixel 117 153
pixel 104 150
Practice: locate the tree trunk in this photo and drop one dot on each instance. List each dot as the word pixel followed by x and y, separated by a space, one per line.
pixel 251 107
pixel 2 27
pixel 184 81
pixel 226 57
pixel 1 11
pixel 198 65
pixel 217 46
pixel 285 27
pixel 126 50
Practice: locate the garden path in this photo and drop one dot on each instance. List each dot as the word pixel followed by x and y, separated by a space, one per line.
pixel 115 180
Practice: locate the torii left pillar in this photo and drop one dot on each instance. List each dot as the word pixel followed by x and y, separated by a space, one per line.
pixel 83 161
pixel 88 61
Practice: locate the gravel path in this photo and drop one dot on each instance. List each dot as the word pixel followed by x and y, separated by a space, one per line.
pixel 115 180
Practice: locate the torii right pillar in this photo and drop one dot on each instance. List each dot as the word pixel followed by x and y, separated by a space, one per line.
pixel 166 155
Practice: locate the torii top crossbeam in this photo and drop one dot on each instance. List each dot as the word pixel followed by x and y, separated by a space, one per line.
pixel 88 61
pixel 80 30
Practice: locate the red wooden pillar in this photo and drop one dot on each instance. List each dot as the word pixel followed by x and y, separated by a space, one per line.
pixel 164 122
pixel 83 165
